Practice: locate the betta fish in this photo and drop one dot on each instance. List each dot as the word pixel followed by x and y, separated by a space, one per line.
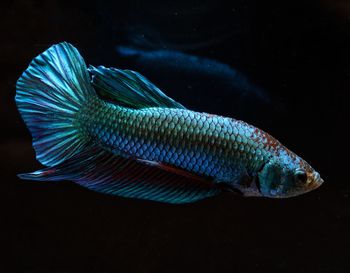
pixel 113 131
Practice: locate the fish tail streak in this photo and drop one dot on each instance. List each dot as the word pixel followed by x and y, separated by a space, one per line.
pixel 48 95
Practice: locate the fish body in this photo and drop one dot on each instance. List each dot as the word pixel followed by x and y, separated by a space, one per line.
pixel 113 131
pixel 201 143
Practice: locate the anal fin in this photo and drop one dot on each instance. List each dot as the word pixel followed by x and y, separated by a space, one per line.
pixel 104 172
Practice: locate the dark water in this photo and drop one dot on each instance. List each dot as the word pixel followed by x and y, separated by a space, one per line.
pixel 298 53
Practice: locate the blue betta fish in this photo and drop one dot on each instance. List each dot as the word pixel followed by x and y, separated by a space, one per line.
pixel 114 132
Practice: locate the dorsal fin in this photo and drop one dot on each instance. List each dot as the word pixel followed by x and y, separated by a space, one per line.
pixel 129 88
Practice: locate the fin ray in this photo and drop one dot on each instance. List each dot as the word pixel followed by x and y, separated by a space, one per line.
pixel 129 88
pixel 48 95
pixel 104 172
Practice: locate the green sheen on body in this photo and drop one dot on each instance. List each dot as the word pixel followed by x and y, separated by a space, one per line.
pixel 113 131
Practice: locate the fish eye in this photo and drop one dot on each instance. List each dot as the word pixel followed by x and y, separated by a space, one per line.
pixel 301 175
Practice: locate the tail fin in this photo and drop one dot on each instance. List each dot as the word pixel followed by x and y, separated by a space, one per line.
pixel 49 94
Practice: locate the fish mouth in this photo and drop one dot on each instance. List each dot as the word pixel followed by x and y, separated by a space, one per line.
pixel 318 181
pixel 315 182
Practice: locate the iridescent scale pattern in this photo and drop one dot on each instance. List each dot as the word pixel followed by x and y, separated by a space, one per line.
pixel 218 147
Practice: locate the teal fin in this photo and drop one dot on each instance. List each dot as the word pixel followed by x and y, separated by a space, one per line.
pixel 104 172
pixel 48 95
pixel 129 88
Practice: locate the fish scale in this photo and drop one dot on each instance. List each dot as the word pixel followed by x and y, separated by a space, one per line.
pixel 209 145
pixel 113 131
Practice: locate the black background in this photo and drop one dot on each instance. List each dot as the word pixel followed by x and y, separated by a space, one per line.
pixel 296 50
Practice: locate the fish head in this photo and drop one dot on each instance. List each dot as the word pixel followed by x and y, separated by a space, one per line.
pixel 287 175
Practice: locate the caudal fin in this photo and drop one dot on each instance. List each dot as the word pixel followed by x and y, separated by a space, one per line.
pixel 48 95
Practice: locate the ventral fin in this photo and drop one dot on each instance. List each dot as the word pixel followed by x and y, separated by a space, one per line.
pixel 104 172
pixel 129 88
pixel 171 169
